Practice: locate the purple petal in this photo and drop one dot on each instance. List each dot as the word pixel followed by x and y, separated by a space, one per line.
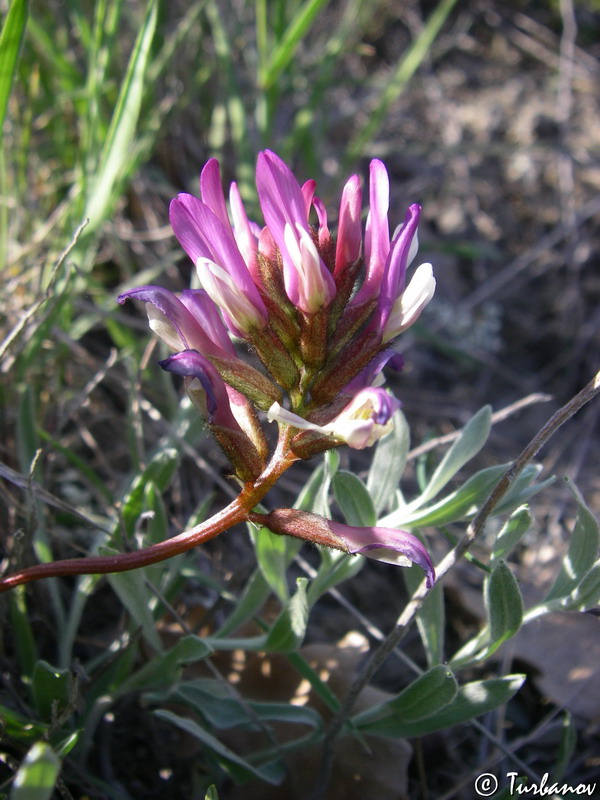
pixel 308 192
pixel 394 278
pixel 245 237
pixel 202 307
pixel 188 326
pixel 211 191
pixel 377 232
pixel 349 235
pixel 386 544
pixel 203 235
pixel 366 377
pixel 190 364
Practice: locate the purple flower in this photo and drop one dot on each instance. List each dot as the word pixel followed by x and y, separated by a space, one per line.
pixel 189 322
pixel 366 418
pixel 383 544
pixel 386 544
pixel 408 304
pixel 349 235
pixel 308 282
pixel 386 263
pixel 377 232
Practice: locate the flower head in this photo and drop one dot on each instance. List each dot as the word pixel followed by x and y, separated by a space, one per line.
pixel 319 309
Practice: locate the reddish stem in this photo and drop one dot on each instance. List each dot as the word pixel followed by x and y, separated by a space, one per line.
pixel 236 511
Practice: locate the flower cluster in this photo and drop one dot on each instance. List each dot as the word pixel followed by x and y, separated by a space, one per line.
pixel 320 312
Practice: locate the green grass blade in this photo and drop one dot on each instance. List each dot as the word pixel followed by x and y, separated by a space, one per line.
pixel 10 44
pixel 407 67
pixel 296 30
pixel 115 157
pixel 231 107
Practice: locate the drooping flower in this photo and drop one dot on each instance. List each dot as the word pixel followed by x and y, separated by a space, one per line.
pixel 226 411
pixel 204 385
pixel 366 418
pixel 389 545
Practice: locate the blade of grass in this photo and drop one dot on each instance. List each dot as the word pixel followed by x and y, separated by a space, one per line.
pixel 286 49
pixel 10 45
pixel 232 104
pixel 406 68
pixel 115 154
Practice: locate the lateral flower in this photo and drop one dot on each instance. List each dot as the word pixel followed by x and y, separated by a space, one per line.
pixel 228 414
pixel 190 321
pixel 388 545
pixel 366 418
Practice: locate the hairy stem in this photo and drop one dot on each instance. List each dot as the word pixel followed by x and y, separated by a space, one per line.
pixel 236 511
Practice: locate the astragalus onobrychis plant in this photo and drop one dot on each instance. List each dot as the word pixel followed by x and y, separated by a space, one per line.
pixel 320 316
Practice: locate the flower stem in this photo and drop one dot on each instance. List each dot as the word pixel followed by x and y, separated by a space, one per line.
pixel 237 511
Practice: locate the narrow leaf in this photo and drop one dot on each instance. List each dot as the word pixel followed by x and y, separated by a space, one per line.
pixel 472 438
pixel 51 689
pixel 425 697
pixel 274 553
pixel 388 464
pixel 10 44
pixel 504 604
pixel 353 499
pixel 289 629
pixel 582 552
pixel 234 765
pixel 284 52
pixel 462 503
pixel 472 700
pixel 164 669
pixel 511 534
pixel 132 592
pixel 115 156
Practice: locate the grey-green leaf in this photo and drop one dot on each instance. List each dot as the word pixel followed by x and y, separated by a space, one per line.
pixel 462 503
pixel 504 604
pixel 425 697
pixel 582 553
pixel 132 592
pixel 472 438
pixel 274 553
pixel 388 464
pixel 472 700
pixel 236 766
pixel 511 534
pixel 289 629
pixel 353 499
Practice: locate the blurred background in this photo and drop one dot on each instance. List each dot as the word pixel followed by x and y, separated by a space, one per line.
pixel 487 113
